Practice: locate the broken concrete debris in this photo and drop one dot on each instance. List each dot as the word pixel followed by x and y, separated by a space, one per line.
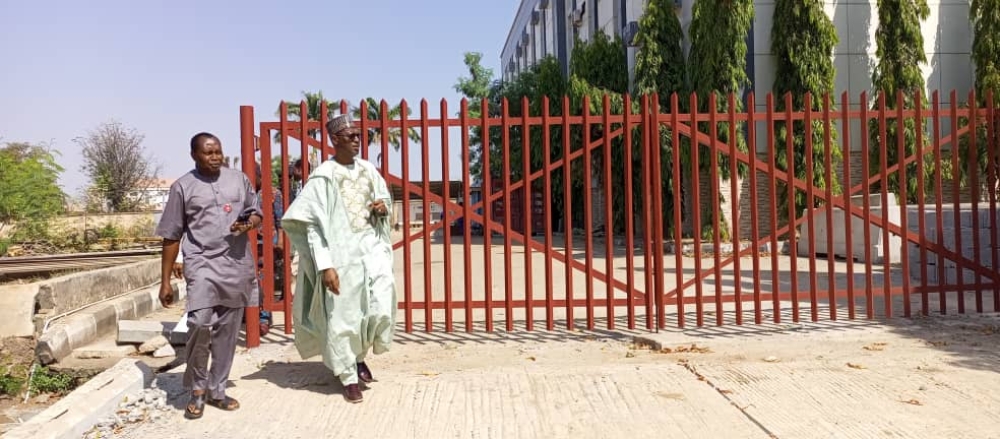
pixel 153 337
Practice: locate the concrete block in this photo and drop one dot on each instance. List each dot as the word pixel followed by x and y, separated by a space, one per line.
pixel 104 349
pixel 17 310
pixel 179 334
pixel 85 327
pixel 837 225
pixel 140 331
pixel 70 292
pixel 75 414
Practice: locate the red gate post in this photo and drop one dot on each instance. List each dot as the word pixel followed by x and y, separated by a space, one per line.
pixel 848 218
pixel 267 225
pixel 657 213
pixel 734 201
pixel 487 197
pixel 678 204
pixel 588 213
pixel 866 208
pixel 714 192
pixel 445 217
pixel 956 201
pixel 466 209
pixel 526 201
pixel 425 198
pixel 568 213
pixel 921 206
pixel 547 163
pixel 772 169
pixel 629 212
pixel 810 204
pixel 248 157
pixel 831 268
pixel 696 213
pixel 884 190
pixel 506 203
pixel 609 238
pixel 973 169
pixel 404 149
pixel 758 316
pixel 650 126
pixel 939 203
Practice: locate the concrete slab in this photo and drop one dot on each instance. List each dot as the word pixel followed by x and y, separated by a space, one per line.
pixel 104 349
pixel 73 415
pixel 141 331
pixel 17 308
pixel 506 402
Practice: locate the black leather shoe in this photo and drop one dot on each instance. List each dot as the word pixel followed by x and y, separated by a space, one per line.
pixel 352 393
pixel 364 373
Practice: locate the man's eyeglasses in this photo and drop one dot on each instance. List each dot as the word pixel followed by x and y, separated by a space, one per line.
pixel 351 136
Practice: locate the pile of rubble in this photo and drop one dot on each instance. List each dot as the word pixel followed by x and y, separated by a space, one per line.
pixel 149 405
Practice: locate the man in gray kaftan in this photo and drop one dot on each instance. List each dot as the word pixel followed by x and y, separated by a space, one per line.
pixel 211 208
pixel 345 298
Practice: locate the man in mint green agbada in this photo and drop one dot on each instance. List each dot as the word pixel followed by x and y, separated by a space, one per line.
pixel 345 294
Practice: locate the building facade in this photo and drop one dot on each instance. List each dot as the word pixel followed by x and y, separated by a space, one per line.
pixel 549 28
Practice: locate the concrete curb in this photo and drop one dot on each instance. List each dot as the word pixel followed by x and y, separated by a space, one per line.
pixel 88 325
pixel 77 413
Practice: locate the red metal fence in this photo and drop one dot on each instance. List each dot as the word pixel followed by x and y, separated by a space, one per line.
pixel 881 218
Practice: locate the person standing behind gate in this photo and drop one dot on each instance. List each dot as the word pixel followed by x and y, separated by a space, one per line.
pixel 345 295
pixel 211 208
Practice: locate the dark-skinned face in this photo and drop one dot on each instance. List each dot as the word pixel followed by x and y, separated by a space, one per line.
pixel 208 156
pixel 348 142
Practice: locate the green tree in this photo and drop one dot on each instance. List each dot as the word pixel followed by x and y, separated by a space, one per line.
pixel 717 64
pixel 117 164
pixel 602 62
pixel 477 86
pixel 900 51
pixel 660 68
pixel 29 191
pixel 985 18
pixel 393 137
pixel 802 39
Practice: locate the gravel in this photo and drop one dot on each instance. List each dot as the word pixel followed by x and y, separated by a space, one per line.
pixel 149 405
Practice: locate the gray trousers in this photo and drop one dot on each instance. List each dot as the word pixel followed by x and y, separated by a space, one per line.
pixel 211 332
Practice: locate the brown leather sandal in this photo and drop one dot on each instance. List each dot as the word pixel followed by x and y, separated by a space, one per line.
pixel 195 407
pixel 228 404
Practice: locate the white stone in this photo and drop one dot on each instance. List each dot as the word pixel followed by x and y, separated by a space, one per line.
pixel 153 344
pixel 164 351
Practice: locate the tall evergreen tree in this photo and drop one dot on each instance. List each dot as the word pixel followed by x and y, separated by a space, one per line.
pixel 802 39
pixel 718 65
pixel 900 51
pixel 985 18
pixel 660 67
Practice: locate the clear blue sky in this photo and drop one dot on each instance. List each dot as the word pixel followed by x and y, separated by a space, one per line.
pixel 172 68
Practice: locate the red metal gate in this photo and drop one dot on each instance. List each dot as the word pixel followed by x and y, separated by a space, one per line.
pixel 628 274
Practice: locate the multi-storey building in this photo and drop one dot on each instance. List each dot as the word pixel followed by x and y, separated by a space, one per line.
pixel 550 27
